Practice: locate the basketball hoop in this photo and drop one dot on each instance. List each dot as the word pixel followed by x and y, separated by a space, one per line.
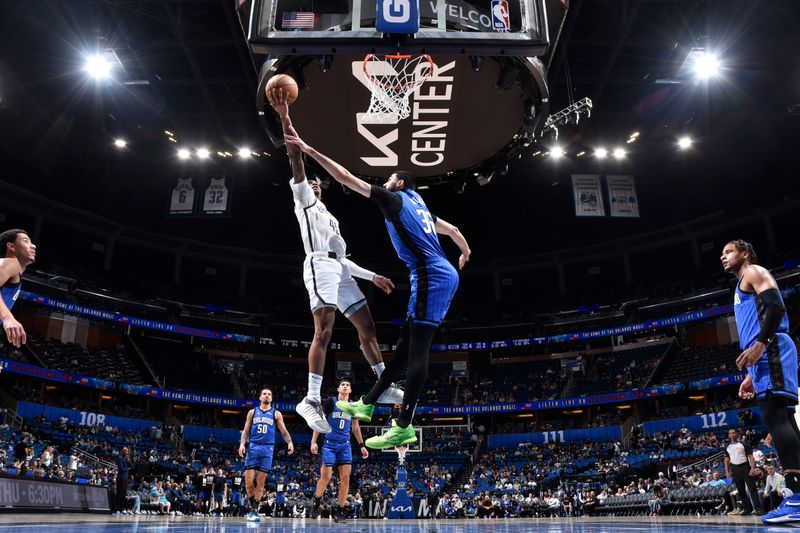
pixel 401 454
pixel 391 80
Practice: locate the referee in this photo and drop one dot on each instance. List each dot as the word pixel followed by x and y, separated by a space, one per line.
pixel 740 465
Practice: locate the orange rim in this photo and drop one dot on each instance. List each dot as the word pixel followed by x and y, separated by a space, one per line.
pixel 371 79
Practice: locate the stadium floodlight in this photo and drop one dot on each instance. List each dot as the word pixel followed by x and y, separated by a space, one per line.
pixel 601 153
pixel 203 153
pixel 183 153
pixel 244 153
pixel 120 143
pixel 706 66
pixel 684 143
pixel 97 66
pixel 619 153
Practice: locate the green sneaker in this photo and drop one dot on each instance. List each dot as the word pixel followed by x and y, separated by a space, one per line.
pixel 358 410
pixel 396 436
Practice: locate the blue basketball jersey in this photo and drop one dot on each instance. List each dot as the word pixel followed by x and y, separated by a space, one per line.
pixel 263 429
pixel 749 314
pixel 10 293
pixel 413 233
pixel 340 426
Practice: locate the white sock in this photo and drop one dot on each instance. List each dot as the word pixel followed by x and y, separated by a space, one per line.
pixel 314 385
pixel 378 369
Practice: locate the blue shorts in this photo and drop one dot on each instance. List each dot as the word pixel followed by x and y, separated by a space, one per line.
pixel 218 496
pixel 259 457
pixel 236 498
pixel 337 454
pixel 433 287
pixel 202 495
pixel 776 371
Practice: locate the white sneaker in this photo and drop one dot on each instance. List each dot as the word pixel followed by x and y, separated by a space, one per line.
pixel 311 411
pixel 392 395
pixel 253 517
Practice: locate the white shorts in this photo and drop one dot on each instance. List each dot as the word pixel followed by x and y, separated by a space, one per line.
pixel 329 284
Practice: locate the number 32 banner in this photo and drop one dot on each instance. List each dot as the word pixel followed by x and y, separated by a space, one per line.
pixel 217 198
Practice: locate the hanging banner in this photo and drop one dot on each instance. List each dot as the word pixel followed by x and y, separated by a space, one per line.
pixel 622 199
pixel 217 198
pixel 182 200
pixel 588 195
pixel 459 369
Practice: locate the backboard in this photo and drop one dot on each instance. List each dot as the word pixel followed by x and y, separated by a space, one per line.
pixel 485 103
pixel 489 27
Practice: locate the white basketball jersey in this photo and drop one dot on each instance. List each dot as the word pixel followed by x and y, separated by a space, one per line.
pixel 216 197
pixel 182 201
pixel 319 228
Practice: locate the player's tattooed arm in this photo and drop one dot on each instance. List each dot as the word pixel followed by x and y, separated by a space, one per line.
pixel 284 432
pixel 245 433
pixel 277 99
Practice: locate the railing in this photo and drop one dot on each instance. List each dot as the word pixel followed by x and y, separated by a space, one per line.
pixel 707 461
pixel 11 418
pixel 92 460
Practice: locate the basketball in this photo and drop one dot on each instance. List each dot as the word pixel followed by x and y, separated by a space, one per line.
pixel 285 82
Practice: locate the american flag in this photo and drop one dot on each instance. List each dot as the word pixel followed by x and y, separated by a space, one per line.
pixel 297 19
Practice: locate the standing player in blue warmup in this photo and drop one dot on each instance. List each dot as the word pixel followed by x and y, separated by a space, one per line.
pixel 770 356
pixel 413 231
pixel 336 451
pixel 259 431
pixel 17 252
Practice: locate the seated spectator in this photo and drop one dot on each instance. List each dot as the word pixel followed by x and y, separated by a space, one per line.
pixel 158 497
pixel 773 489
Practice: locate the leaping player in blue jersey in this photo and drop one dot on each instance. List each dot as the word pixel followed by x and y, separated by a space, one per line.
pixel 770 356
pixel 414 234
pixel 18 252
pixel 259 432
pixel 336 451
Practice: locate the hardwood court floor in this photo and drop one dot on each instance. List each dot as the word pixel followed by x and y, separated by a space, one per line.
pixel 83 523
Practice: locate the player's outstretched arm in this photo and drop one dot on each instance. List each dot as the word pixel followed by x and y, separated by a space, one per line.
pixel 278 100
pixel 766 290
pixel 245 432
pixel 284 432
pixel 382 282
pixel 337 171
pixel 445 228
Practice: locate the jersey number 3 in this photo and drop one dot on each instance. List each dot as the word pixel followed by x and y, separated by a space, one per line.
pixel 427 221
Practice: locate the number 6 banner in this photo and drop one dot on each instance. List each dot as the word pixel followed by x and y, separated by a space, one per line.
pixel 217 198
pixel 182 199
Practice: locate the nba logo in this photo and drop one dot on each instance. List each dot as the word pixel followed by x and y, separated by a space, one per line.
pixel 500 20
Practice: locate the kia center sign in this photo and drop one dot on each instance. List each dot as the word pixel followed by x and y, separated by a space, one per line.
pixel 458 118
pixel 16 493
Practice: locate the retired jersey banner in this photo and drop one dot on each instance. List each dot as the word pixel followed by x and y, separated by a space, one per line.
pixel 588 195
pixel 622 199
pixel 217 198
pixel 181 201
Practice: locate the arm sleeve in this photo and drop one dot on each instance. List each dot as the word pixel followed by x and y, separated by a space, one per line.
pixel 357 271
pixel 774 311
pixel 389 202
pixel 302 192
pixel 327 406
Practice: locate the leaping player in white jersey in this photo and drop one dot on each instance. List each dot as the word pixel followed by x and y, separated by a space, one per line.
pixel 328 276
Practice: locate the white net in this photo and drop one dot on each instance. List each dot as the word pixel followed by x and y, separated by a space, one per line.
pixel 391 80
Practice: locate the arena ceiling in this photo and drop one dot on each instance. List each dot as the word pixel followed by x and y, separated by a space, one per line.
pixel 184 68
